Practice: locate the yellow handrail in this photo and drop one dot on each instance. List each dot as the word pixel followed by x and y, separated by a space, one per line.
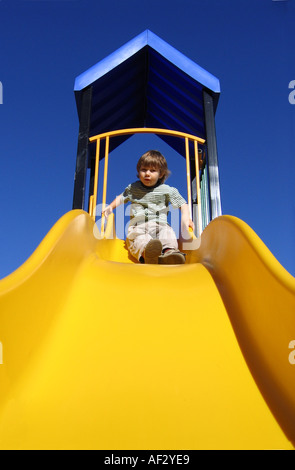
pixel 188 176
pixel 105 180
pixel 94 202
pixel 198 187
pixel 144 130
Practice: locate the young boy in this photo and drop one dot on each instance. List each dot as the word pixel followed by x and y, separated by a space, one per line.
pixel 150 238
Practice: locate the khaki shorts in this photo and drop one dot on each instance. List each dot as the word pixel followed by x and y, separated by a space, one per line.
pixel 139 235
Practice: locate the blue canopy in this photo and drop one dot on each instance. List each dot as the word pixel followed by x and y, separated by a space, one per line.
pixel 147 83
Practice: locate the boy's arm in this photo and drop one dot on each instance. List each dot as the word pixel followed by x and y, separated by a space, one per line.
pixel 115 203
pixel 186 218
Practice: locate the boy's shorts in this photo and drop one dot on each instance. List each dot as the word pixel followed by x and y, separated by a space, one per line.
pixel 140 234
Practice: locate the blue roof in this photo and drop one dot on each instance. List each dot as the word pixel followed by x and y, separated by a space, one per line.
pixel 147 83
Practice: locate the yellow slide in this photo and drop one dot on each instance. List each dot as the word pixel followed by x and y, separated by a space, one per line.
pixel 98 352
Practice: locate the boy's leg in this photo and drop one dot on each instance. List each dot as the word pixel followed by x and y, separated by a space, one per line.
pixel 171 253
pixel 137 239
pixel 142 243
pixel 167 236
pixel 145 242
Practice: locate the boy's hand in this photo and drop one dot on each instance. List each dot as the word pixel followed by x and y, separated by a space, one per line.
pixel 186 220
pixel 191 225
pixel 187 227
pixel 108 210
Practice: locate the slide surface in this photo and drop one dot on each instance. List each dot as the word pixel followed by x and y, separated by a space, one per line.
pixel 98 352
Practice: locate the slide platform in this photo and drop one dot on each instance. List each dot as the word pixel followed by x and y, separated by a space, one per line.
pixel 99 352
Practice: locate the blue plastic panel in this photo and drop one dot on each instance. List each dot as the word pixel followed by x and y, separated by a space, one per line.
pixel 147 83
pixel 147 38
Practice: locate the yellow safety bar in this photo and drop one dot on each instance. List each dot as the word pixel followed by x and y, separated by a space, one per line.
pixel 145 130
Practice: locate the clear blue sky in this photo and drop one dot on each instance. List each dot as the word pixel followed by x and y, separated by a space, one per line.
pixel 45 44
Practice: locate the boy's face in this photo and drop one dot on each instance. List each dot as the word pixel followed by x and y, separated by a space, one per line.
pixel 149 176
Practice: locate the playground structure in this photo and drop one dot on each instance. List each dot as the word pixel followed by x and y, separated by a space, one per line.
pixel 88 360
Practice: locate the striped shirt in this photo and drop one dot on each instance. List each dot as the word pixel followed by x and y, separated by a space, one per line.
pixel 151 203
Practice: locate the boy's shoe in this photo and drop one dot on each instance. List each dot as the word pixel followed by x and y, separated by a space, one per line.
pixel 172 256
pixel 152 251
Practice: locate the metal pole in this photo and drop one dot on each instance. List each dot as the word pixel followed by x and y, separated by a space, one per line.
pixel 212 160
pixel 82 151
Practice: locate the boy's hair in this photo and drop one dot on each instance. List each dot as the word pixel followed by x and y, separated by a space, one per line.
pixel 154 159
